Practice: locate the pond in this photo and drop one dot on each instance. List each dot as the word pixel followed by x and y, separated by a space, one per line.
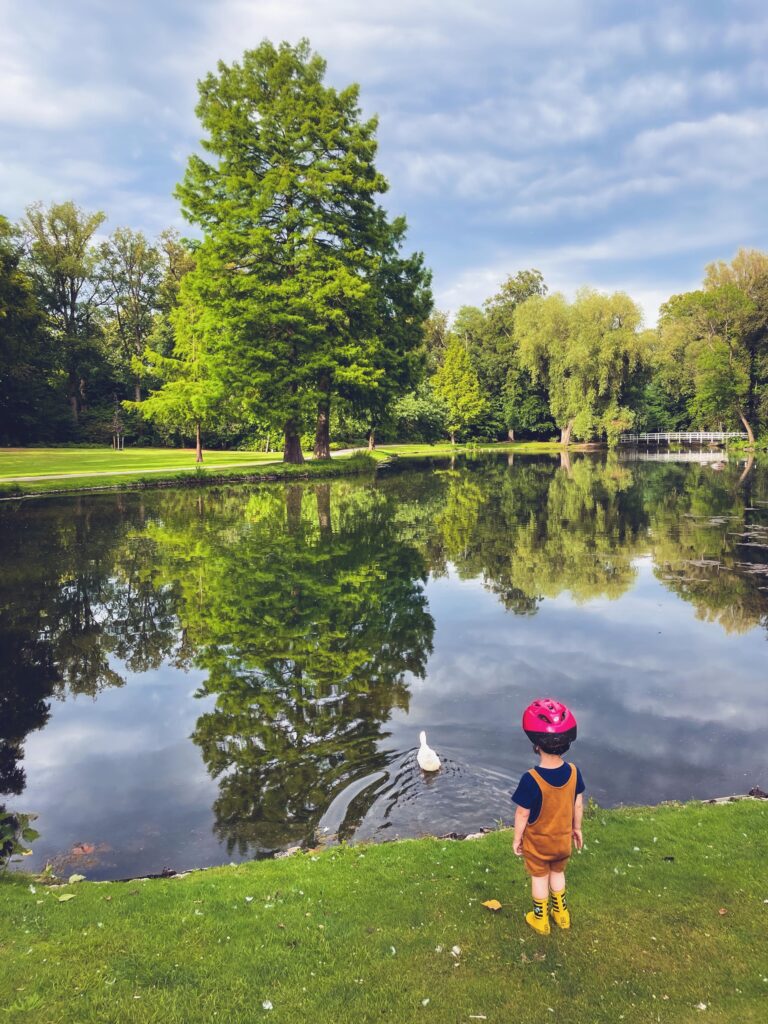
pixel 192 677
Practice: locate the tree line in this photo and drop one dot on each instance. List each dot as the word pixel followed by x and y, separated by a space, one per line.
pixel 296 315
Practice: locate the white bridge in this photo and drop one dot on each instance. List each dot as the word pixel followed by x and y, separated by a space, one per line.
pixel 684 437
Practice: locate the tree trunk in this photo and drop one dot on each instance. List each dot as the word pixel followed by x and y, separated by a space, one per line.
pixel 292 448
pixel 293 498
pixel 74 402
pixel 453 438
pixel 323 495
pixel 511 434
pixel 137 391
pixel 198 443
pixel 371 439
pixel 747 427
pixel 565 433
pixel 322 449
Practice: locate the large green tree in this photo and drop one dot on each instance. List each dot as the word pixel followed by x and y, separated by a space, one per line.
pixel 587 354
pixel 714 344
pixel 293 236
pixel 131 272
pixel 64 263
pixel 26 356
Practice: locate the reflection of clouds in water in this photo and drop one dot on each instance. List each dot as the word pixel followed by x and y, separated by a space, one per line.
pixel 121 769
pixel 655 708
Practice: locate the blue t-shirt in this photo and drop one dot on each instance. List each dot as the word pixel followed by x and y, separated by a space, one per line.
pixel 528 792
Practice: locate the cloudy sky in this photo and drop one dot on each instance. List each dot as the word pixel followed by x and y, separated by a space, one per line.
pixel 613 144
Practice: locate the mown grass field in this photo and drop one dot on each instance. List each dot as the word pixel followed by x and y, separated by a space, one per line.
pixel 670 918
pixel 20 462
pixel 30 471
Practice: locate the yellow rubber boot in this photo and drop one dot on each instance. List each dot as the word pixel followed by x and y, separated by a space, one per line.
pixel 538 918
pixel 560 914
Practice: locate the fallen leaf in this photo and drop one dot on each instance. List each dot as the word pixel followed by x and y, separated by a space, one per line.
pixel 701 1006
pixel 425 1002
pixel 76 878
pixel 492 904
pixel 722 911
pixel 266 1005
pixel 456 951
pixel 67 896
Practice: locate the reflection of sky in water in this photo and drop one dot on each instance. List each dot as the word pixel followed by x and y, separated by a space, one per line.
pixel 669 707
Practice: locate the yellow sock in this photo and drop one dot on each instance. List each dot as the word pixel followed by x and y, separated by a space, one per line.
pixel 558 901
pixel 540 909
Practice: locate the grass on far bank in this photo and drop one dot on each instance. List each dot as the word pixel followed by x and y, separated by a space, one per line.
pixel 16 462
pixel 266 468
pixel 669 906
pixel 25 472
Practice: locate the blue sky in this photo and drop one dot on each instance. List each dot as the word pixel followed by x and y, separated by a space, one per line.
pixel 620 145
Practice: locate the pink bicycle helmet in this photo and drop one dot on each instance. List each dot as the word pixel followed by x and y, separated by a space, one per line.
pixel 549 725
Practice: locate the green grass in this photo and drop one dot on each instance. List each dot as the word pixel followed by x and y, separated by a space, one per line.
pixel 15 462
pixel 263 468
pixel 363 934
pixel 447 449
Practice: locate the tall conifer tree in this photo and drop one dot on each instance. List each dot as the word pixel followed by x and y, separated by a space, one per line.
pixel 293 237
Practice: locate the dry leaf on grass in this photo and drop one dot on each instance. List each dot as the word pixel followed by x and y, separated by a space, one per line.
pixel 492 904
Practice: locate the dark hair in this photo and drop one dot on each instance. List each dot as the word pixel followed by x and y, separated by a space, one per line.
pixel 551 747
pixel 552 742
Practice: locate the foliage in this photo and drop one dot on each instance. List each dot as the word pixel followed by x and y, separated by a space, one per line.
pixel 131 271
pixel 28 408
pixel 587 355
pixel 15 831
pixel 192 395
pixel 297 258
pixel 64 265
pixel 457 386
pixel 713 335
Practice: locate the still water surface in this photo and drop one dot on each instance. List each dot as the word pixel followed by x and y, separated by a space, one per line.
pixel 189 678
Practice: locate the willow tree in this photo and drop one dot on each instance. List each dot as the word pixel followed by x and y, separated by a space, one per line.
pixel 286 199
pixel 587 354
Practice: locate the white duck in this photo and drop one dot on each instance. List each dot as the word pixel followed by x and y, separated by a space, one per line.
pixel 427 758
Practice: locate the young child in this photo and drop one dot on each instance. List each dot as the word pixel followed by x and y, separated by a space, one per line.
pixel 549 811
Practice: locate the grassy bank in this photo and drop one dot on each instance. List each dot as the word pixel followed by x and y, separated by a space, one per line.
pixel 32 471
pixel 445 449
pixel 669 908
pixel 209 473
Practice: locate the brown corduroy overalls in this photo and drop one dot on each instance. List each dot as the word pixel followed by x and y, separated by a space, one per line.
pixel 547 842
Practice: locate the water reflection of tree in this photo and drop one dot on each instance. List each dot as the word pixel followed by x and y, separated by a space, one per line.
pixel 306 614
pixel 76 593
pixel 535 529
pixel 710 533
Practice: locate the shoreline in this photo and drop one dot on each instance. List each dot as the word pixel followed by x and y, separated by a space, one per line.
pixel 754 795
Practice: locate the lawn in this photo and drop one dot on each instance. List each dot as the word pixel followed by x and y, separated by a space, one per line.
pixel 669 905
pixel 22 462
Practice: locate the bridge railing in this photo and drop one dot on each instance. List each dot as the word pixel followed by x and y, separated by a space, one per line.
pixel 682 437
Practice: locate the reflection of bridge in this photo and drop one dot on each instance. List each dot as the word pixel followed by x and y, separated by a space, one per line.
pixel 705 458
pixel 684 437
